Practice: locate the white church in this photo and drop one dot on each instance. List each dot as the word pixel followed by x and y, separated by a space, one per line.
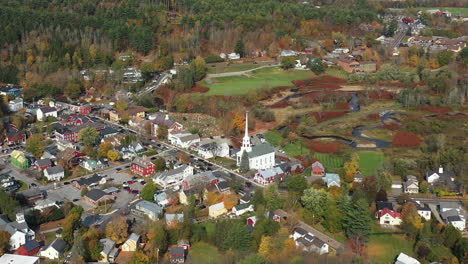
pixel 261 154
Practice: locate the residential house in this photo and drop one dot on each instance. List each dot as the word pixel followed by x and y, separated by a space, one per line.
pixel 44 204
pixel 109 252
pixel 132 243
pixel 216 210
pixel 185 194
pixel 130 151
pixel 151 210
pixel 447 206
pixel 177 254
pixel 95 164
pixel 96 197
pixel 162 119
pixel 389 217
pixel 15 104
pixel 11 89
pixel 108 132
pixel 15 136
pixel 54 250
pixel 200 179
pixel 31 195
pixel 70 132
pixel 18 259
pixel 308 242
pixel 317 169
pixel 241 209
pixel 116 116
pixel 88 182
pixel 222 186
pixel 452 214
pixel 349 65
pixel 183 139
pixel 213 149
pixel 445 179
pixel 55 173
pixel 261 155
pixel 43 164
pixel 19 231
pixel 268 176
pixel 277 215
pixel 85 109
pixel 288 53
pixel 174 219
pixel 173 177
pixel 30 248
pixel 19 159
pixel 75 119
pixel 411 185
pixel 161 198
pixel 44 112
pixel 112 190
pixel 456 221
pixel 332 179
pixel 143 166
pixel 423 210
pixel 405 259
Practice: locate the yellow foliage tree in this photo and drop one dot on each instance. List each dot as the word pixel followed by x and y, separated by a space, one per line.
pixel 117 229
pixel 351 167
pixel 265 246
pixel 409 214
pixel 230 200
pixel 113 155
pixel 213 198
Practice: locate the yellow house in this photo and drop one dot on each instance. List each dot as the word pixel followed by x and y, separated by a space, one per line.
pixel 132 243
pixel 216 210
pixel 116 116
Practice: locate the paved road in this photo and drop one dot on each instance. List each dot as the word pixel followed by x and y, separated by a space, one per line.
pixel 402 28
pixel 161 80
pixel 435 212
pixel 227 74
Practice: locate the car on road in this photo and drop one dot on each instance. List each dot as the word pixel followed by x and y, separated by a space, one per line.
pixel 135 191
pixel 131 182
pixel 129 190
pixel 66 183
pixel 126 188
pixel 142 182
pixel 118 169
pixel 75 200
pixel 128 166
pixel 125 212
pixel 33 185
pixel 134 177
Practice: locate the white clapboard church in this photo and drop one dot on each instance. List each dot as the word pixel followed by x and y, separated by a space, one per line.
pixel 261 155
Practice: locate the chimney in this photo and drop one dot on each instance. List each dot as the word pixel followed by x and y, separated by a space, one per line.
pixel 441 169
pixel 167 117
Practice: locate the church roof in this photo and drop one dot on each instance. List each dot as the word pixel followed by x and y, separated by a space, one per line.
pixel 260 150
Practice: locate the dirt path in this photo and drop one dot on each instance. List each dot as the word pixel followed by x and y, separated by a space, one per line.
pixel 227 74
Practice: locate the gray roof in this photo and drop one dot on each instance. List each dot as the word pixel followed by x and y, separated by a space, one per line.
pixel 134 237
pixel 149 206
pixel 96 194
pixel 450 213
pixel 453 218
pixel 300 231
pixel 107 245
pixel 44 162
pixel 177 251
pixel 318 243
pixel 242 206
pixel 59 245
pixel 260 150
pixel 88 181
pixel 31 245
pixel 189 137
pixel 174 217
pixel 171 172
pixel 55 170
pixel 48 109
pixel 223 185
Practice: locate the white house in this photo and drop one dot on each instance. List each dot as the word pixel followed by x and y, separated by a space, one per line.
pixel 411 185
pixel 44 112
pixel 132 243
pixel 268 176
pixel 43 204
pixel 233 56
pixel 241 209
pixel 213 149
pixel 160 197
pixel 19 231
pixel 287 53
pixel 18 259
pixel 405 259
pixel 261 156
pixel 55 173
pixel 308 242
pixel 457 221
pixel 16 104
pixel 184 139
pixel 152 210
pixel 389 217
pixel 173 177
pixel 435 176
pixel 54 250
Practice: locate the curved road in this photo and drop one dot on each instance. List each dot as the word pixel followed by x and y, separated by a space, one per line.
pixel 227 74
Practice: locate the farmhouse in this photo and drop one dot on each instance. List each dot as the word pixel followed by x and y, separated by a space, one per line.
pixel 389 217
pixel 261 156
pixel 317 169
pixel 411 185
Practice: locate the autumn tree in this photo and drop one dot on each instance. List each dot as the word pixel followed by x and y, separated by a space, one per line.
pixel 409 215
pixel 117 229
pixel 287 63
pixel 113 155
pixel 265 246
pixel 18 121
pixel 93 246
pixel 4 242
pixel 72 90
pixel 139 258
pixel 328 44
pixel 273 200
pixel 36 145
pixel 315 201
pixel 351 167
pixel 70 224
pixel 158 238
pixel 451 235
pixel 230 200
pixel 104 149
pixel 121 105
pixel 198 67
pixel 254 259
pixel 89 136
pixel 148 191
pixel 162 132
pixel 384 180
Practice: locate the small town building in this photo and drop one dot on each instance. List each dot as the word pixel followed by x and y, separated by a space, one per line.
pixel 332 179
pixel 108 250
pixel 43 164
pixel 405 259
pixel 132 243
pixel 55 173
pixel 44 112
pixel 161 198
pixel 19 231
pixel 96 197
pixel 216 210
pixel 151 210
pixel 18 259
pixel 95 164
pixel 200 179
pixel 173 177
pixel 15 137
pixel 30 248
pixel 389 217
pixel 317 169
pixel 411 185
pixel 308 242
pixel 213 149
pixel 19 159
pixel 177 254
pixel 89 182
pixel 184 139
pixel 241 209
pixel 54 250
pixel 268 176
pixel 15 104
pixel 143 166
pixel 162 119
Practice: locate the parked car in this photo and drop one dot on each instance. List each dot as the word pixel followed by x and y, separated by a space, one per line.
pixel 76 200
pixel 118 169
pixel 126 188
pixel 135 191
pixel 66 183
pixel 142 182
pixel 35 185
pixel 131 182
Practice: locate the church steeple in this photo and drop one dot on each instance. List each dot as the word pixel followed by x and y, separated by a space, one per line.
pixel 246 140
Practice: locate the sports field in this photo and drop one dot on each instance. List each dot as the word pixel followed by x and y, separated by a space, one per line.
pixel 266 77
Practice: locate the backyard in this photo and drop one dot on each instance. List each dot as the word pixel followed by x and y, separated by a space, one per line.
pixel 202 252
pixel 385 245
pixel 370 162
pixel 267 77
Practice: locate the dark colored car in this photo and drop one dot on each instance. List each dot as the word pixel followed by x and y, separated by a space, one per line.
pixel 76 200
pixel 66 183
pixel 128 166
pixel 118 169
pixel 126 188
pixel 134 177
pixel 135 192
pixel 142 182
pixel 33 185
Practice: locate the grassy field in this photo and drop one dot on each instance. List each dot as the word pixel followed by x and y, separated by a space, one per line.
pixel 202 252
pixel 385 245
pixel 295 149
pixel 267 77
pixel 370 162
pixel 453 10
pixel 337 72
pixel 274 138
pixel 232 68
pixel 329 161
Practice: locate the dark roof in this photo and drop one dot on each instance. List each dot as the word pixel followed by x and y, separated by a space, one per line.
pixel 300 231
pixel 453 218
pixel 304 242
pixel 44 162
pixel 108 131
pixel 48 109
pixel 318 243
pixel 59 245
pixel 242 206
pixel 382 205
pixel 96 194
pixel 88 181
pixel 177 251
pixel 55 169
pixel 221 174
pixel 223 185
pixel 31 245
pixel 286 167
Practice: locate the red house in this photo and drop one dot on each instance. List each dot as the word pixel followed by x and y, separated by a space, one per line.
pixel 85 109
pixel 317 169
pixel 15 136
pixel 43 164
pixel 143 166
pixel 31 248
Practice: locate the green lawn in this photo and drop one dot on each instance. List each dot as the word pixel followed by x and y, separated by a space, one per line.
pixel 266 77
pixel 329 161
pixel 337 72
pixel 202 252
pixel 210 228
pixel 384 245
pixel 24 186
pixel 370 162
pixel 295 149
pixel 274 138
pixel 232 68
pixel 453 10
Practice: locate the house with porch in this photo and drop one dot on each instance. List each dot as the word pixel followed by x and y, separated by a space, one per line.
pixel 173 177
pixel 143 166
pixel 268 176
pixel 411 185
pixel 241 209
pixel 19 231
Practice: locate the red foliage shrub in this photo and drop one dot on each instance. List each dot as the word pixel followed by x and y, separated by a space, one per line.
pixel 406 139
pixel 373 116
pixel 392 126
pixel 460 116
pixel 280 104
pixel 436 109
pixel 322 147
pixel 342 106
pixel 381 95
pixel 198 89
pixel 324 116
pixel 325 82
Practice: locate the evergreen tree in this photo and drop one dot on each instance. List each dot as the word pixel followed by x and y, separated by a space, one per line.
pixel 240 48
pixel 272 198
pixel 451 236
pixel 258 198
pixel 237 237
pixel 316 66
pixel 244 164
pixel 357 220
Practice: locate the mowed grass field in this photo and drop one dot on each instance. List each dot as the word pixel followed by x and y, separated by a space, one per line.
pixel 202 252
pixel 384 245
pixel 232 68
pixel 370 162
pixel 454 10
pixel 266 77
pixel 329 161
